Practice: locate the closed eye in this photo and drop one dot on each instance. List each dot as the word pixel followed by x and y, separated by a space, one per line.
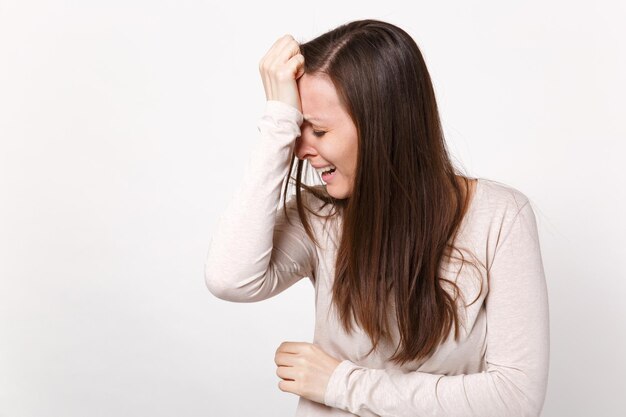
pixel 318 133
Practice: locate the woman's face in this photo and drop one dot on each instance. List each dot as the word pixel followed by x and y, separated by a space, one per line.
pixel 328 135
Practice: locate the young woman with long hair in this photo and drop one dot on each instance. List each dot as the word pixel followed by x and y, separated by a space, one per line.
pixel 430 292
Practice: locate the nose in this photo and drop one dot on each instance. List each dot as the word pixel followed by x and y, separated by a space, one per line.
pixel 304 147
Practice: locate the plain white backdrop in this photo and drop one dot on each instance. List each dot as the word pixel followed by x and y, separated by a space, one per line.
pixel 124 125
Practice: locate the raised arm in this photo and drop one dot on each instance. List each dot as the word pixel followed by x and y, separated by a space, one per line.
pixel 255 253
pixel 517 355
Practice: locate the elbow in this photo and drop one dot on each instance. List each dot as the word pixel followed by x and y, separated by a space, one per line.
pixel 230 286
pixel 522 396
pixel 534 404
pixel 528 407
pixel 525 407
pixel 217 286
pixel 232 281
pixel 213 286
pixel 213 278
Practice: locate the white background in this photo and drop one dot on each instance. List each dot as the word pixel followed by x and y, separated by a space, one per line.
pixel 123 128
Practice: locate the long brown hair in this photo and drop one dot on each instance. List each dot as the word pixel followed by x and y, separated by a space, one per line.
pixel 401 220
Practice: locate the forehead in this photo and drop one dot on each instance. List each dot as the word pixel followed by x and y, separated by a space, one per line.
pixel 318 97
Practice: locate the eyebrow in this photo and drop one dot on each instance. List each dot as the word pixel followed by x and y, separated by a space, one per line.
pixel 312 119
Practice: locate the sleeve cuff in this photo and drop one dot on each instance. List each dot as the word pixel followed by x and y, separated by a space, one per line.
pixel 282 110
pixel 338 384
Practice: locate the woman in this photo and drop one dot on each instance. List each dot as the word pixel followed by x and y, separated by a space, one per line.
pixel 430 291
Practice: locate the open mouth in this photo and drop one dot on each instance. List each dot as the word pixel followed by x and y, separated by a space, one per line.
pixel 328 175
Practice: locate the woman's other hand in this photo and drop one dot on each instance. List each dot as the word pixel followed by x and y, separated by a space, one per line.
pixel 305 369
pixel 281 66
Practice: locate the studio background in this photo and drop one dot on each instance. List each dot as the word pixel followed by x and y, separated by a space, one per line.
pixel 124 126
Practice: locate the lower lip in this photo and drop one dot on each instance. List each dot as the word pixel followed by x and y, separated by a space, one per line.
pixel 329 177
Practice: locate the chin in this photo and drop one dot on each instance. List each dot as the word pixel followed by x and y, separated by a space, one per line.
pixel 338 194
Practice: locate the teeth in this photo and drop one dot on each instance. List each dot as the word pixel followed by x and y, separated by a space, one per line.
pixel 324 169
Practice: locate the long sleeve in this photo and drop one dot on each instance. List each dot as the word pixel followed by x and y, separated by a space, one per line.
pixel 255 253
pixel 517 355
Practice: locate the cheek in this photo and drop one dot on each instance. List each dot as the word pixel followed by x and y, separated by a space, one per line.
pixel 347 164
pixel 351 157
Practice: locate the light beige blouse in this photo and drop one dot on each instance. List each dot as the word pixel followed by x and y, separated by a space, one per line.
pixel 499 367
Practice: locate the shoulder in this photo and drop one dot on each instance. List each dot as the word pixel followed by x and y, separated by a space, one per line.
pixel 499 208
pixel 497 197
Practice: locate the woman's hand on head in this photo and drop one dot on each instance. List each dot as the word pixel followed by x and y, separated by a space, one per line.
pixel 281 66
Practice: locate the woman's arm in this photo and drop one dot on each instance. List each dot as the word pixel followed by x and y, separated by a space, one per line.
pixel 254 253
pixel 517 354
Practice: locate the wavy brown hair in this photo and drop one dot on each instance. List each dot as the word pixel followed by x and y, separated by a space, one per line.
pixel 401 220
